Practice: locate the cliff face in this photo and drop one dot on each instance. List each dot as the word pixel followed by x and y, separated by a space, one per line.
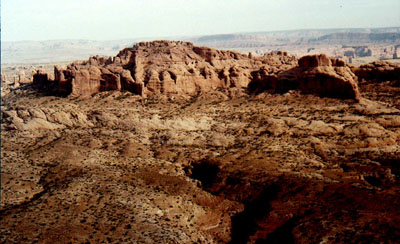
pixel 315 74
pixel 164 67
pixel 180 68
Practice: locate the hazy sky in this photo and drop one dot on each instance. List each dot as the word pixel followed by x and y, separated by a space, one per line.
pixel 119 19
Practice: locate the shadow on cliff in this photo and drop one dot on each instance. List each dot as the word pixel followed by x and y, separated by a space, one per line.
pixel 47 87
pixel 324 81
pixel 244 224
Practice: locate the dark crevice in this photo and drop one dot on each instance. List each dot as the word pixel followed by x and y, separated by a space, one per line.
pixel 393 162
pixel 256 197
pixel 205 171
pixel 373 181
pixel 282 234
pixel 173 76
pixel 244 224
pixel 203 73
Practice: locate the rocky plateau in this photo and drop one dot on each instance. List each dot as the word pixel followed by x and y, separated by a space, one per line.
pixel 168 142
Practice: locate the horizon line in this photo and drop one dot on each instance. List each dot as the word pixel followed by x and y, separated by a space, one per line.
pixel 201 35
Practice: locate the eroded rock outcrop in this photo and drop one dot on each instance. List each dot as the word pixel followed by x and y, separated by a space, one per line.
pixel 40 78
pixel 180 68
pixel 22 118
pixel 315 74
pixel 378 71
pixel 165 67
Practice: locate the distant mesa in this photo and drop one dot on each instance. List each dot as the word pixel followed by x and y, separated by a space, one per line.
pixel 354 37
pixel 180 68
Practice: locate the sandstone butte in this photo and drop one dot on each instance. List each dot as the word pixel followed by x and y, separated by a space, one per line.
pixel 180 68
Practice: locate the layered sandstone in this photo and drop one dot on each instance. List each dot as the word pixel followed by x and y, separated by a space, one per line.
pixel 315 74
pixel 180 68
pixel 164 67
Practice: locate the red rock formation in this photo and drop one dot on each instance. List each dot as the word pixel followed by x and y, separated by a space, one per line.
pixel 180 68
pixel 164 67
pixel 40 78
pixel 316 74
pixel 379 71
pixel 311 61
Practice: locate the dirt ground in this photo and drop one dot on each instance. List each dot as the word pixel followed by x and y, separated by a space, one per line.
pixel 117 168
